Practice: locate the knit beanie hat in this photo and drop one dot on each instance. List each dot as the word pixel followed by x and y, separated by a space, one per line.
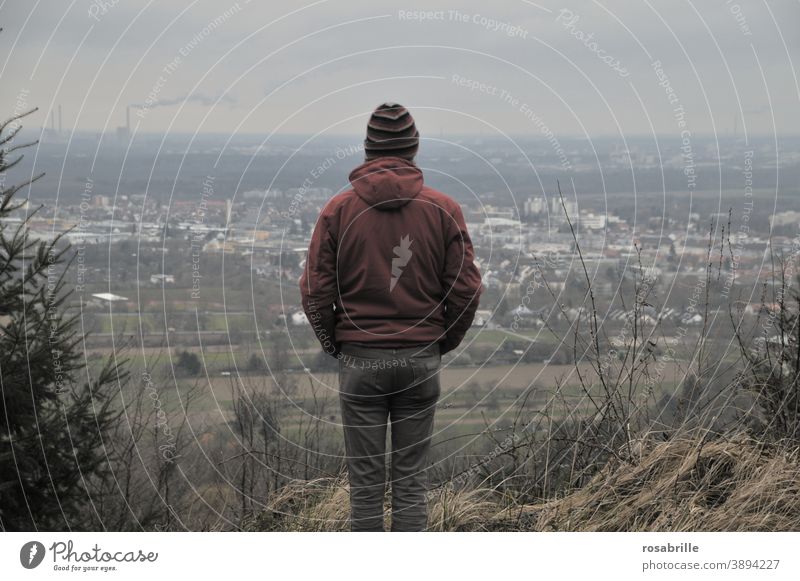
pixel 391 131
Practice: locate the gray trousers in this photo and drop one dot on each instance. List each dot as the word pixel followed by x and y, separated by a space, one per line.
pixel 400 386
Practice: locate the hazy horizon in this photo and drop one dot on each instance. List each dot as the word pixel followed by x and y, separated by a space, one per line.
pixel 580 69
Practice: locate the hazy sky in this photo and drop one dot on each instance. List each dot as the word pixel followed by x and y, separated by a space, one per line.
pixel 519 67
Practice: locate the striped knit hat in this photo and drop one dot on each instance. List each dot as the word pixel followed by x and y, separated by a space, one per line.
pixel 391 132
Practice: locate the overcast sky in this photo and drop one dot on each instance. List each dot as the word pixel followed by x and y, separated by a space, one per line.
pixel 576 68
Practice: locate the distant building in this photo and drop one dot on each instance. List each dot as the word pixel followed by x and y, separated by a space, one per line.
pixel 534 206
pixel 482 317
pixel 556 209
pixel 299 318
pixel 102 300
pixel 784 218
pixel 592 221
pixel 162 279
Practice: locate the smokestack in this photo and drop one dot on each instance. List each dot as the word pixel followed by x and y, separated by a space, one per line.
pixel 52 120
pixel 128 118
pixel 59 119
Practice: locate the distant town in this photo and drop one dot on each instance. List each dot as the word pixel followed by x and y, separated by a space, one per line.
pixel 201 247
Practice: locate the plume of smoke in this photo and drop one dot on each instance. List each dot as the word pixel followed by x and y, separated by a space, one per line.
pixel 205 100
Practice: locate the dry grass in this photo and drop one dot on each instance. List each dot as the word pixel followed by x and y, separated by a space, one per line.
pixel 463 510
pixel 683 485
pixel 322 504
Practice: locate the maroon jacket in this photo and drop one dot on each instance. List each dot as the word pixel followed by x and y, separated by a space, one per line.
pixel 390 263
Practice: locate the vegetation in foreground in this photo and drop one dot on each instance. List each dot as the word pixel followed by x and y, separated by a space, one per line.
pixel 688 484
pixel 617 454
pixel 713 458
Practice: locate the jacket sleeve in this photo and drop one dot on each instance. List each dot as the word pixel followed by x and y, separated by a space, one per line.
pixel 318 286
pixel 462 281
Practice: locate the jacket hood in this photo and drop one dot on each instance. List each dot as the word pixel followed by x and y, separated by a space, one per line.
pixel 387 183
